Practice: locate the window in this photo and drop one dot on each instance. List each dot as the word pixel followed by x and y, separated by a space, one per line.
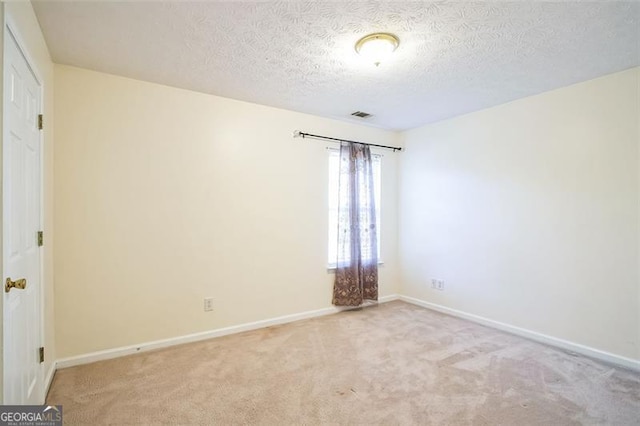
pixel 334 178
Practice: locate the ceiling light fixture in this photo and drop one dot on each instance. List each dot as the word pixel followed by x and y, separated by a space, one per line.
pixel 377 46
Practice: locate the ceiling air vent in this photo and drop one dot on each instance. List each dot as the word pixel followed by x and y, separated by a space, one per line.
pixel 361 114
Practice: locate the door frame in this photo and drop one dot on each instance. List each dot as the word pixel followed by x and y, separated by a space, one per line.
pixel 10 30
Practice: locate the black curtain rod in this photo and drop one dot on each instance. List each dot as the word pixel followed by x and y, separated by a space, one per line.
pixel 298 133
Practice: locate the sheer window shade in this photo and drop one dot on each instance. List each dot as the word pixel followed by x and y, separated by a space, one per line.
pixel 335 215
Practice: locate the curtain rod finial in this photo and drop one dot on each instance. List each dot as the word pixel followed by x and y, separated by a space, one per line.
pixel 296 133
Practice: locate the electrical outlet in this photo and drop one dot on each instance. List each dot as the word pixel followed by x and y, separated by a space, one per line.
pixel 208 304
pixel 437 284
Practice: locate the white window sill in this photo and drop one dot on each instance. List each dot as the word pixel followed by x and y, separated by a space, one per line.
pixel 331 268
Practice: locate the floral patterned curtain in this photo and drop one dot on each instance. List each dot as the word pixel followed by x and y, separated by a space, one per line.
pixel 357 264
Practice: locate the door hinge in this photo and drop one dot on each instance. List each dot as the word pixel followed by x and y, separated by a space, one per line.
pixel 41 354
pixel 40 238
pixel 39 121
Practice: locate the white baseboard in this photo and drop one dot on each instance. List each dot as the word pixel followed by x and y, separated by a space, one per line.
pixel 608 357
pixel 147 346
pixel 48 379
pixel 157 344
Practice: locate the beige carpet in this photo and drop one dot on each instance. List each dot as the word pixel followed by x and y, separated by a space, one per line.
pixel 391 364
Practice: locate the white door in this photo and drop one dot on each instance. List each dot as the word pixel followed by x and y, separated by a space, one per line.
pixel 21 223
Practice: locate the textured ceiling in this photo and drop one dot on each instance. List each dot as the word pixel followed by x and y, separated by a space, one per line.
pixel 454 57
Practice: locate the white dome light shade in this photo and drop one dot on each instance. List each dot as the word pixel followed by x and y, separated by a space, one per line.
pixel 377 47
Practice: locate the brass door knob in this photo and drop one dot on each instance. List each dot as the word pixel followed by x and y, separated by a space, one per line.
pixel 19 284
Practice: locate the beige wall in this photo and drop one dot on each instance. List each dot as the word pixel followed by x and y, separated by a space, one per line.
pixel 529 212
pixel 166 196
pixel 24 21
